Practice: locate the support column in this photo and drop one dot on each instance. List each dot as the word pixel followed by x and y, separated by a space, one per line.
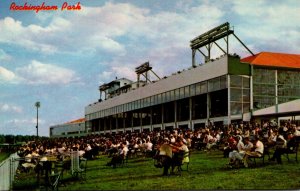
pixel 141 120
pixel 124 122
pixel 175 113
pixel 228 100
pixel 162 116
pixel 276 91
pixel 193 58
pixel 110 123
pixel 138 81
pixel 151 120
pixel 207 106
pixel 191 113
pixel 99 121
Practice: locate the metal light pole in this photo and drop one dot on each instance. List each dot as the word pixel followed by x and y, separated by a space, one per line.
pixel 37 105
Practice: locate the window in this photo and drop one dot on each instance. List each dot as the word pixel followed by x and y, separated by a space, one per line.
pixel 235 81
pixel 203 87
pixel 192 90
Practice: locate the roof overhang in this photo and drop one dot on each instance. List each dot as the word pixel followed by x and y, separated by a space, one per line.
pixel 284 109
pixel 273 59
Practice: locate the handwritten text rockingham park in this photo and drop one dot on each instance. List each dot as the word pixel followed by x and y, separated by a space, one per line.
pixel 44 7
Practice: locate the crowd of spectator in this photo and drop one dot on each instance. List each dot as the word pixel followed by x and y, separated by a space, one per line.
pixel 237 141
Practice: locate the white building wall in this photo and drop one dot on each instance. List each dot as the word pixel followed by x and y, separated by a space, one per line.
pixel 65 129
pixel 201 73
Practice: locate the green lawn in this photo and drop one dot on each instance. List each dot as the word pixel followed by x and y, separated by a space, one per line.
pixel 206 171
pixel 3 156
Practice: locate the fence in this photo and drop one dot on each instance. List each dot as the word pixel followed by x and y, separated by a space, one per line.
pixel 8 171
pixel 74 162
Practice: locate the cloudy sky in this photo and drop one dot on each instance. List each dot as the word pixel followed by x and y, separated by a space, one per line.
pixel 61 57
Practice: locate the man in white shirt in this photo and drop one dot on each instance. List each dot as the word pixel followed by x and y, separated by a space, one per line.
pixel 258 151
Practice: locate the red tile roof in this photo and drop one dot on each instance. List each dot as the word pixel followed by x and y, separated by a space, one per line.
pixel 76 121
pixel 274 59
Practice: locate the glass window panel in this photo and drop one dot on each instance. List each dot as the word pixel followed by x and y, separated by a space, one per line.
pixel 236 108
pixel 263 75
pixel 214 84
pixel 172 95
pixel 203 87
pixel 236 94
pixel 193 90
pixel 198 88
pixel 246 107
pixel 264 89
pixel 177 93
pixel 151 100
pixel 210 86
pixel 159 99
pixel 246 95
pixel 246 82
pixel 138 104
pixel 167 97
pixel 186 91
pixel 147 102
pixel 163 96
pixel 181 94
pixel 223 82
pixel 235 81
pixel 155 100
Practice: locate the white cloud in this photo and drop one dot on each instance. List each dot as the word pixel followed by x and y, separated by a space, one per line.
pixel 24 121
pixel 272 26
pixel 40 73
pixel 124 71
pixel 23 126
pixel 8 108
pixel 105 77
pixel 7 76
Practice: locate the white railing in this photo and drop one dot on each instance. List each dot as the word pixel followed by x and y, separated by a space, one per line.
pixel 8 171
pixel 74 162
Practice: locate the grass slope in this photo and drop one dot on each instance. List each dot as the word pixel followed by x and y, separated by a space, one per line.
pixel 3 156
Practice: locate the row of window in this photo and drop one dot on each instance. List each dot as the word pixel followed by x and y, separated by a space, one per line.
pixel 264 87
pixel 268 76
pixel 179 93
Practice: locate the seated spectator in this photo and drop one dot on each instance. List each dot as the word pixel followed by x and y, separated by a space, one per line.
pixel 243 146
pixel 180 150
pixel 210 141
pixel 118 158
pixel 280 147
pixel 230 146
pixel 258 151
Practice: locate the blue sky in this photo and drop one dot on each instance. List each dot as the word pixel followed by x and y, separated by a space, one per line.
pixel 61 57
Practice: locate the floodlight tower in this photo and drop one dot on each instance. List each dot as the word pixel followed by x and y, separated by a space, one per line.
pixel 37 105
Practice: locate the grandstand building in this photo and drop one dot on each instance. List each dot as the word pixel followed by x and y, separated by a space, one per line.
pixel 223 90
pixel 73 128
